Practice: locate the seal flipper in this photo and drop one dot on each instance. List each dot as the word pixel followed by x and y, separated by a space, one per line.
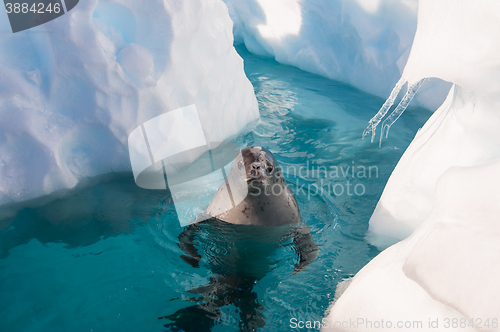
pixel 305 248
pixel 251 311
pixel 187 245
pixel 201 316
pixel 221 291
pixel 192 318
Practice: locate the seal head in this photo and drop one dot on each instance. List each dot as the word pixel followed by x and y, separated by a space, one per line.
pixel 258 194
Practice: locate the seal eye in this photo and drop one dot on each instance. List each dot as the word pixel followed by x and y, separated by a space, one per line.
pixel 269 168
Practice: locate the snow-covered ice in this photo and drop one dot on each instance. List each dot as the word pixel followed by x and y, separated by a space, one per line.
pixel 443 195
pixel 464 132
pixel 445 270
pixel 364 43
pixel 73 89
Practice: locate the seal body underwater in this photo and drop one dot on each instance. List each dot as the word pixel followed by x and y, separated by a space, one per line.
pixel 251 215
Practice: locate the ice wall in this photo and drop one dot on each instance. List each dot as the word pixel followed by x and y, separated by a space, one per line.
pixel 460 47
pixel 364 43
pixel 72 89
pixel 444 191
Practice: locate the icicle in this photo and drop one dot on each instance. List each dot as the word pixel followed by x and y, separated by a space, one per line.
pixel 410 93
pixel 383 110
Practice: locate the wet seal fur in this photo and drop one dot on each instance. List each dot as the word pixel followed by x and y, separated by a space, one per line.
pixel 258 223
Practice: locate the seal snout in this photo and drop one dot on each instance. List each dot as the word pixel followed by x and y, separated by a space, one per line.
pixel 259 163
pixel 256 171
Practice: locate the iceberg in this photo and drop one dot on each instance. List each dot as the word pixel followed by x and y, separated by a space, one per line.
pixel 464 131
pixel 364 43
pixel 73 89
pixel 441 201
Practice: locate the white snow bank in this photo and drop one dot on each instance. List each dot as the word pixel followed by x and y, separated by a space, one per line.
pixel 364 43
pixel 445 270
pixel 461 46
pixel 444 191
pixel 72 90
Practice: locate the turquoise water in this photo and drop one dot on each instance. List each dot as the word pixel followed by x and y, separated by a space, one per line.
pixel 107 258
